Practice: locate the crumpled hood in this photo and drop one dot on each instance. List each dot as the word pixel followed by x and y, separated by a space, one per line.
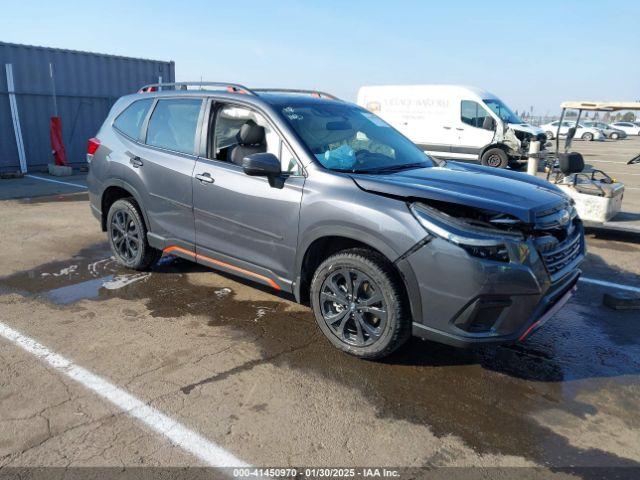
pixel 502 191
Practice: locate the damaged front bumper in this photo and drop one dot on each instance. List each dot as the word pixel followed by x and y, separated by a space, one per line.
pixel 465 300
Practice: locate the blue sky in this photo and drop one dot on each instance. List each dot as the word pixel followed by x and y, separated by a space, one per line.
pixel 528 53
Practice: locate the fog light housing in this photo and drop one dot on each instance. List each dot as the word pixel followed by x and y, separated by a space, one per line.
pixel 481 315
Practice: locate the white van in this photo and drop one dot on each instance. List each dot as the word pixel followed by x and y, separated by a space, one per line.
pixel 454 121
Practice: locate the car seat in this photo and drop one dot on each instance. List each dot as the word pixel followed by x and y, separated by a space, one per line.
pixel 251 139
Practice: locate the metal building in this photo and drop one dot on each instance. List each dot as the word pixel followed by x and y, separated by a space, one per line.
pixel 86 85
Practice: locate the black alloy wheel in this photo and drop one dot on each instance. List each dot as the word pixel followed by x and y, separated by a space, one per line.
pixel 353 307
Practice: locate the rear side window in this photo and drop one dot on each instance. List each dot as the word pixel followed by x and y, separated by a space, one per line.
pixel 130 120
pixel 173 124
pixel 472 113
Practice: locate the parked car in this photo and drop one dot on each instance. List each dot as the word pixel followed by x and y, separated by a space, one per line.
pixel 609 131
pixel 321 199
pixel 629 128
pixel 454 121
pixel 583 132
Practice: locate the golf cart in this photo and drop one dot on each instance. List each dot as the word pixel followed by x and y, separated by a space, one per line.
pixel 597 196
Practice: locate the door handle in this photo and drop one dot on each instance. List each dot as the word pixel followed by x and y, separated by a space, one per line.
pixel 205 178
pixel 136 162
pixel 447 128
pixel 460 129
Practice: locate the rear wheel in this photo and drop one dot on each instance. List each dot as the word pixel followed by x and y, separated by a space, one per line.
pixel 614 136
pixel 128 236
pixel 549 135
pixel 587 136
pixel 495 157
pixel 359 303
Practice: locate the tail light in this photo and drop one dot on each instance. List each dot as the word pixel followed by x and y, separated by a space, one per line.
pixel 92 146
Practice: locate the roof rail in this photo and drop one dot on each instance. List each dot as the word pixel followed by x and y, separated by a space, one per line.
pixel 313 93
pixel 230 87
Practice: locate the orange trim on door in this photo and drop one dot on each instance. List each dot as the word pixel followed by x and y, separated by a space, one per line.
pixel 197 256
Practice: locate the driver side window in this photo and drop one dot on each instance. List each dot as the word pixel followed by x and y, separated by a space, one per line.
pixel 472 113
pixel 240 131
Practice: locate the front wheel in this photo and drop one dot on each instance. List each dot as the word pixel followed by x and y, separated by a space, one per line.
pixel 587 136
pixel 549 135
pixel 495 157
pixel 614 136
pixel 359 303
pixel 128 236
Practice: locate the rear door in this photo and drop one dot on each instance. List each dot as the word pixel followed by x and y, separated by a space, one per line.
pixel 166 166
pixel 246 225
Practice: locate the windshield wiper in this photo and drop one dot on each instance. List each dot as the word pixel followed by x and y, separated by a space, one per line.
pixel 396 168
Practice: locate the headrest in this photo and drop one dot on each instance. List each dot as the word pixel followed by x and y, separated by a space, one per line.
pixel 250 134
pixel 571 162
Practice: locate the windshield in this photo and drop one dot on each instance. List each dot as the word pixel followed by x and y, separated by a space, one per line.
pixel 347 138
pixel 502 111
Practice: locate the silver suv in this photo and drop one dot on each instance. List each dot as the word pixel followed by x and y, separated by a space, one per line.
pixel 319 198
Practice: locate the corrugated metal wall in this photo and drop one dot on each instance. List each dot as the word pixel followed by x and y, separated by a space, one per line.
pixel 87 84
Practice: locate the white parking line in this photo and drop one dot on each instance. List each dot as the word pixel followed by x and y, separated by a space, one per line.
pixel 621 162
pixel 604 283
pixel 190 441
pixel 56 181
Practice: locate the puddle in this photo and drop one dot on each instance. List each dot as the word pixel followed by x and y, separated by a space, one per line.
pixel 485 396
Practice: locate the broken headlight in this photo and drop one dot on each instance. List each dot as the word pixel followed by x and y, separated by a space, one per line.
pixel 479 241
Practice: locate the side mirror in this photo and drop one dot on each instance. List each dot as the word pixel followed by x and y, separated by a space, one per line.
pixel 489 123
pixel 261 165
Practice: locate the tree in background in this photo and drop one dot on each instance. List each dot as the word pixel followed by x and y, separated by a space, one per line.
pixel 629 117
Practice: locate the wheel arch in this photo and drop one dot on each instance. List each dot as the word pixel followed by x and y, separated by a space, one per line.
pixel 499 145
pixel 114 190
pixel 316 248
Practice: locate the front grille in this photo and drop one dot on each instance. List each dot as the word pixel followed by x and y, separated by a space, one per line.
pixel 564 255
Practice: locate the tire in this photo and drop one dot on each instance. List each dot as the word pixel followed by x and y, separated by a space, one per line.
pixel 614 136
pixel 549 135
pixel 127 235
pixel 587 136
pixel 378 290
pixel 495 157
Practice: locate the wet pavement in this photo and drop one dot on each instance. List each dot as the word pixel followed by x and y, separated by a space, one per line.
pixel 250 369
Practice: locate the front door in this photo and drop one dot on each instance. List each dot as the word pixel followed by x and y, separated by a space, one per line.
pixel 246 225
pixel 471 136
